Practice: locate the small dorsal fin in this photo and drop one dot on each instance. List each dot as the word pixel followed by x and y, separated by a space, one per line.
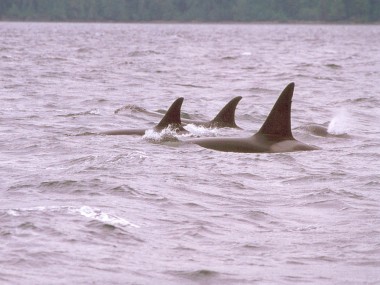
pixel 172 116
pixel 226 117
pixel 278 122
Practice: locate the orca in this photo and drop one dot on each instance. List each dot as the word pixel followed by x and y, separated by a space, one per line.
pixel 317 130
pixel 274 136
pixel 323 131
pixel 172 119
pixel 224 119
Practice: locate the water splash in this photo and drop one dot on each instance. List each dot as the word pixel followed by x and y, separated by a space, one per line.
pixel 340 123
pixel 166 135
pixel 170 134
pixel 199 131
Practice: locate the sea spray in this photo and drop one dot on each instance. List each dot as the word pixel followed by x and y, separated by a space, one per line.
pixel 340 123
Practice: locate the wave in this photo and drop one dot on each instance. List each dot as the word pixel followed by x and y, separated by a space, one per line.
pixel 192 86
pixel 138 53
pixel 131 108
pixel 85 113
pixel 85 211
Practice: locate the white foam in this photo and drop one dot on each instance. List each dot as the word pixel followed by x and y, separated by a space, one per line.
pixel 100 216
pixel 166 135
pixel 85 211
pixel 201 131
pixel 170 135
pixel 19 211
pixel 340 123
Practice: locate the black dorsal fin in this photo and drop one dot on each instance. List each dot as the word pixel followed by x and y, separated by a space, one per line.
pixel 172 116
pixel 278 122
pixel 226 117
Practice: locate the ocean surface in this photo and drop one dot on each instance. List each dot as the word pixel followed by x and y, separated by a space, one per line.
pixel 78 207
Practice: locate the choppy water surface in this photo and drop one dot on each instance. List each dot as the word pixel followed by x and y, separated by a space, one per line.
pixel 82 208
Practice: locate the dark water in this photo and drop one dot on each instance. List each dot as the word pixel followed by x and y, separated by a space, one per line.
pixel 81 208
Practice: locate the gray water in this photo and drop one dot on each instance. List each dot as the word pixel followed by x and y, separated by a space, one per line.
pixel 82 208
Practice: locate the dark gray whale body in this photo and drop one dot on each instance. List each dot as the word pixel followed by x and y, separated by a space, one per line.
pixel 274 136
pixel 172 119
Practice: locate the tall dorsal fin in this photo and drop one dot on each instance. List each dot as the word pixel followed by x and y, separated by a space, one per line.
pixel 172 116
pixel 226 117
pixel 278 122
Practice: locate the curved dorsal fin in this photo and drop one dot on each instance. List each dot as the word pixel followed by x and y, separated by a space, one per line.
pixel 226 117
pixel 278 122
pixel 172 116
